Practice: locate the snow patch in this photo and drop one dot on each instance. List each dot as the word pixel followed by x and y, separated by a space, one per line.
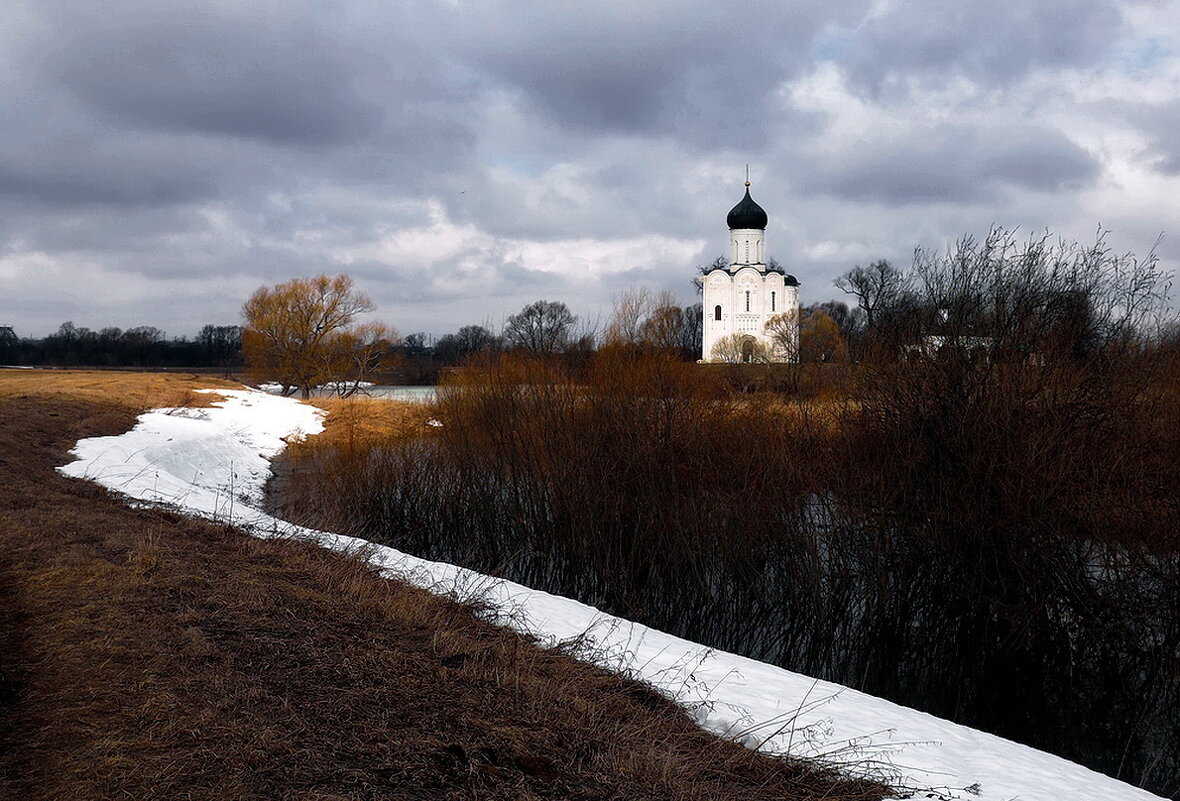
pixel 275 388
pixel 214 463
pixel 211 462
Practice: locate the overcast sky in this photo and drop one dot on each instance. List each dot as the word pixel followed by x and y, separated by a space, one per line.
pixel 160 160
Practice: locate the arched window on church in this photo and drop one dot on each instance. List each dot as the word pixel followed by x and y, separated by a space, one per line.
pixel 716 312
pixel 772 301
pixel 747 300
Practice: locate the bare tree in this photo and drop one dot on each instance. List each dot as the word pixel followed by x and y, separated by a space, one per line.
pixel 820 339
pixel 140 341
pixel 783 331
pixel 663 327
pixel 357 353
pixel 8 343
pixel 698 281
pixel 739 349
pixel 293 330
pixel 692 331
pixel 476 338
pixel 875 287
pixel 643 317
pixel 467 341
pixel 542 327
pixel 629 310
pixel 222 344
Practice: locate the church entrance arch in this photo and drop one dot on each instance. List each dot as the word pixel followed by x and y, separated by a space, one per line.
pixel 747 350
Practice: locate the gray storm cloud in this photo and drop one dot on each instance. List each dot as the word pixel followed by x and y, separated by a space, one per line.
pixel 957 164
pixel 455 156
pixel 992 43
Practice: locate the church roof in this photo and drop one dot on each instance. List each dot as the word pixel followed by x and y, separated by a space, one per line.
pixel 788 279
pixel 746 214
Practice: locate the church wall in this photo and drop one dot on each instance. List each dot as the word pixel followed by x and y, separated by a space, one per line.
pixel 747 295
pixel 718 291
pixel 729 292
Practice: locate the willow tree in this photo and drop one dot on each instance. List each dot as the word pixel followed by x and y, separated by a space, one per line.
pixel 302 333
pixel 739 349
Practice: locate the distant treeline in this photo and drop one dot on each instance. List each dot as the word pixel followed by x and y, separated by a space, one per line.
pixel 71 345
pixel 542 328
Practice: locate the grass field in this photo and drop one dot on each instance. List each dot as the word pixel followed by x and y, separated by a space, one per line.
pixel 147 655
pixel 123 390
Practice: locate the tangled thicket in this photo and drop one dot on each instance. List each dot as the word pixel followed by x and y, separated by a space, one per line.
pixel 984 525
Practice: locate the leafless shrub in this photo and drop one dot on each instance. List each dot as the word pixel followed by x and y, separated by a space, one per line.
pixel 984 525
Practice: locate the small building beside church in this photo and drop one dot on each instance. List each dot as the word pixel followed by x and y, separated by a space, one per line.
pixel 740 299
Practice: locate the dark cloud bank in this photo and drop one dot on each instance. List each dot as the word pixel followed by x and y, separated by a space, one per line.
pixel 180 154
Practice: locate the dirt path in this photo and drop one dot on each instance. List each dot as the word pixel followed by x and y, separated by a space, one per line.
pixel 145 655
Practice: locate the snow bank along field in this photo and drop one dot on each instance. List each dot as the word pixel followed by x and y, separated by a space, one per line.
pixel 214 463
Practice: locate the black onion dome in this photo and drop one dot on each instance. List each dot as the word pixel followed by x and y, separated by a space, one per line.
pixel 746 214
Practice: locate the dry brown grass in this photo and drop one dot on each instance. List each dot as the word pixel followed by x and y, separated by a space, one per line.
pixel 146 655
pixel 111 388
pixel 364 420
pixel 813 414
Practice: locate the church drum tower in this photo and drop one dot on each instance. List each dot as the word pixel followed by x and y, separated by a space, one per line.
pixel 740 299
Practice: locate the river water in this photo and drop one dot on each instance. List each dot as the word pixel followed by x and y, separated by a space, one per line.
pixel 415 394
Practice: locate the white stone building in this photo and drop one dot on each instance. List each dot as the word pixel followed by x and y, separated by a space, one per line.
pixel 740 299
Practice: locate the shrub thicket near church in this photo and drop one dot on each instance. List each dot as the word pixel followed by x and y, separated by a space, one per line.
pixel 984 522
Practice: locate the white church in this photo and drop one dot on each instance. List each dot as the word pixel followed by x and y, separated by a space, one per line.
pixel 742 298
